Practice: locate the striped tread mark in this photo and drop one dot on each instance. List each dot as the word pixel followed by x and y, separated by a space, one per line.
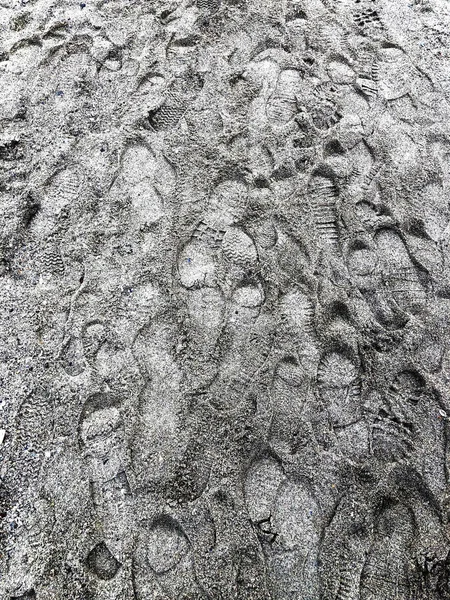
pixel 368 68
pixel 30 436
pixel 94 335
pixel 356 171
pixel 71 186
pixel 390 435
pixel 400 277
pixel 266 235
pixel 371 175
pixel 323 196
pixel 99 425
pixel 52 261
pixel 404 285
pixel 375 72
pixel 369 88
pixel 297 313
pixel 279 108
pixel 208 5
pixel 345 586
pixel 238 247
pixel 211 236
pixel 169 114
pixel 282 104
pixel 367 17
pixel 65 186
pixel 289 371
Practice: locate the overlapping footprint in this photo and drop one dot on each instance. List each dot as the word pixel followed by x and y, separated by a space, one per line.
pixel 163 560
pixel 199 261
pixel 248 346
pixel 409 422
pixel 389 572
pixel 157 442
pixel 288 522
pixel 387 278
pixel 102 440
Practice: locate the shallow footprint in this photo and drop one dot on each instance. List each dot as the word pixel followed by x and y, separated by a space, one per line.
pixel 282 104
pixel 399 274
pixel 409 426
pixel 366 271
pixel 296 312
pixel 71 357
pixel 157 444
pixel 103 442
pixel 197 265
pixel 288 394
pixel 293 562
pixel 263 479
pixel 145 178
pixel 164 555
pixel 388 573
pixel 339 383
pixel 247 345
pixel 102 438
pixel 323 194
pixel 205 308
pixel 287 520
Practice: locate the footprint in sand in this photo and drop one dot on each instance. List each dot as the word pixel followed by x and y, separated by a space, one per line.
pixel 288 522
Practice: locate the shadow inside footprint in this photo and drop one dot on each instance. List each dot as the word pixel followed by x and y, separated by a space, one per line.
pixel 410 427
pixel 30 595
pixel 102 563
pixel 72 357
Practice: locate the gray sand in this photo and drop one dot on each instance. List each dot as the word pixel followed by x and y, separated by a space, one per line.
pixel 225 288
